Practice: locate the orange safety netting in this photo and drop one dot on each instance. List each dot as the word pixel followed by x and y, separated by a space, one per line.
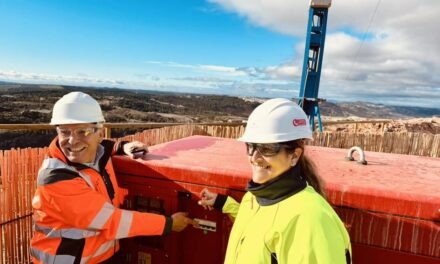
pixel 18 170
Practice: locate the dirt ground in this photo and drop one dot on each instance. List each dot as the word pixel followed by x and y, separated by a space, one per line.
pixel 416 125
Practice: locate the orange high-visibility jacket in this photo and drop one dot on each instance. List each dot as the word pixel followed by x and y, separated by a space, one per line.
pixel 76 211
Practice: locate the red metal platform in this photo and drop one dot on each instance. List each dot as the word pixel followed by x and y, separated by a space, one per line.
pixel 391 206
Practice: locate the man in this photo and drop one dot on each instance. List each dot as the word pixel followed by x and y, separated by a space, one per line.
pixel 76 206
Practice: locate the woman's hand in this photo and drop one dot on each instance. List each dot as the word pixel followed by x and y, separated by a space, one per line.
pixel 207 199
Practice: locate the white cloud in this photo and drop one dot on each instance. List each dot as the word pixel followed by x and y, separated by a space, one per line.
pixel 277 72
pixel 284 72
pixel 279 15
pixel 218 68
pixel 399 57
pixel 79 79
pixel 229 71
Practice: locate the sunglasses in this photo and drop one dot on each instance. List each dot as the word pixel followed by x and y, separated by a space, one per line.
pixel 78 132
pixel 267 150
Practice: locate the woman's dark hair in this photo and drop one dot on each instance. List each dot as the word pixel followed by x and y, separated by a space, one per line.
pixel 308 169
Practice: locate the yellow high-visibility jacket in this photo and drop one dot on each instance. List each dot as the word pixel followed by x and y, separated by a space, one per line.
pixel 301 229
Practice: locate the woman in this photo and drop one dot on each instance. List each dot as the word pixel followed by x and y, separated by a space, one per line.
pixel 283 218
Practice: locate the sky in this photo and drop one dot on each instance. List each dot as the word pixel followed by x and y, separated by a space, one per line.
pixel 376 51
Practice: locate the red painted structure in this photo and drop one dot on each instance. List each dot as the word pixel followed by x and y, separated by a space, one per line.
pixel 391 206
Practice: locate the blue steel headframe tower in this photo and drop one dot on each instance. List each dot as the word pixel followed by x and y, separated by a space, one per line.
pixel 314 52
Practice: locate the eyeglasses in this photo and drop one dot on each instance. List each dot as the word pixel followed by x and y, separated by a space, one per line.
pixel 78 132
pixel 267 150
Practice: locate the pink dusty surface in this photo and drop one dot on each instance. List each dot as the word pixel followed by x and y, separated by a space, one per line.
pixel 400 185
pixel 207 161
pixel 396 184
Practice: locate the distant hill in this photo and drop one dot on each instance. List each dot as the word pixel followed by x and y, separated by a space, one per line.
pixel 32 103
pixel 27 103
pixel 370 110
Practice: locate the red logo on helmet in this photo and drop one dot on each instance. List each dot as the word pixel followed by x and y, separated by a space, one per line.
pixel 299 122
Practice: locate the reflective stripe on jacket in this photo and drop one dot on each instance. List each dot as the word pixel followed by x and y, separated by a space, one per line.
pixel 76 211
pixel 302 229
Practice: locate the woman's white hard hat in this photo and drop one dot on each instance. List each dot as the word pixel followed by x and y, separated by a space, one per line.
pixel 277 120
pixel 76 108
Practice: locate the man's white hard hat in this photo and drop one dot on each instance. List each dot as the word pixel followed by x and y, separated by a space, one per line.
pixel 277 120
pixel 76 108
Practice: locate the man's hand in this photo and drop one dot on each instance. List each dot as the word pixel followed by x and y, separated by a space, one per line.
pixel 135 149
pixel 208 199
pixel 180 221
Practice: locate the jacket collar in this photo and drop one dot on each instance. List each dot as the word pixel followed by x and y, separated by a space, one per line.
pixel 56 152
pixel 282 187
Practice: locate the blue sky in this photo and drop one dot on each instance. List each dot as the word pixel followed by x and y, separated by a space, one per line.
pixel 234 47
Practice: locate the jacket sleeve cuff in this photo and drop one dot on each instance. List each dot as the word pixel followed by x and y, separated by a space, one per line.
pixel 168 225
pixel 220 201
pixel 119 147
